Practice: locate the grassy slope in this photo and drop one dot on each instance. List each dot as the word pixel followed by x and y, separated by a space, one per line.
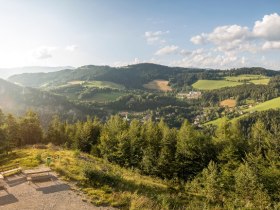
pixel 103 84
pixel 214 84
pixel 105 97
pixel 115 186
pixel 231 81
pixel 271 104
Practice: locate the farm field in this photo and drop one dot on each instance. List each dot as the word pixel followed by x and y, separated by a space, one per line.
pixel 104 97
pixel 161 85
pixel 260 81
pixel 231 81
pixel 214 84
pixel 271 104
pixel 255 79
pixel 228 102
pixel 102 84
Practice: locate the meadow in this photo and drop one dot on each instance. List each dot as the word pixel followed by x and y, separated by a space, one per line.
pixel 214 84
pixel 271 104
pixel 231 81
pixel 104 183
pixel 105 97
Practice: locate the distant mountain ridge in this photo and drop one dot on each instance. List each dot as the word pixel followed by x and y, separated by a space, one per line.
pixel 132 76
pixel 7 72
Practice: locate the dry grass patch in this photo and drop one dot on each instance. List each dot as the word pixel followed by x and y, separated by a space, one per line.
pixel 161 85
pixel 228 103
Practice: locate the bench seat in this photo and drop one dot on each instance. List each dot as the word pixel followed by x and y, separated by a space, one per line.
pixel 38 177
pixel 1 176
pixel 12 171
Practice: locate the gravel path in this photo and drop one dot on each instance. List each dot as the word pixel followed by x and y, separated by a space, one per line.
pixel 47 195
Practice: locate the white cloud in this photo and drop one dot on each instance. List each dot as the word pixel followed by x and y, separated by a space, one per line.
pixel 167 50
pixel 43 52
pixel 199 39
pixel 240 39
pixel 209 59
pixel 228 33
pixel 268 28
pixel 71 48
pixel 271 45
pixel 222 34
pixel 155 37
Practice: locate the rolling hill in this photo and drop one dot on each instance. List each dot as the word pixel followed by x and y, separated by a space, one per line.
pixel 16 99
pixel 7 72
pixel 136 76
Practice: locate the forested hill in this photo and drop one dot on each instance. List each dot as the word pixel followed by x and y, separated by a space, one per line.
pixel 16 99
pixel 132 76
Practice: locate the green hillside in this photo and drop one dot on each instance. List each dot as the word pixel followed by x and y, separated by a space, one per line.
pixel 115 186
pixel 271 104
pixel 214 84
pixel 16 99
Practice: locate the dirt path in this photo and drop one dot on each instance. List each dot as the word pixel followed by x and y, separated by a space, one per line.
pixel 47 195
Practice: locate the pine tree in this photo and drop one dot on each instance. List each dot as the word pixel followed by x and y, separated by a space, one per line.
pixel 166 161
pixel 249 191
pixel 109 140
pixel 30 128
pixel 136 143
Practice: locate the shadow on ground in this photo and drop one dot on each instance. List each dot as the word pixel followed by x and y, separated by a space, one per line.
pixel 54 188
pixel 7 199
pixel 15 180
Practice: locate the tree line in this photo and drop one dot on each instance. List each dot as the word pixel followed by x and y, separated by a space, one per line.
pixel 232 166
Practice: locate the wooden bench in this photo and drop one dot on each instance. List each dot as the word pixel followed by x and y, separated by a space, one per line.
pixel 9 170
pixel 37 174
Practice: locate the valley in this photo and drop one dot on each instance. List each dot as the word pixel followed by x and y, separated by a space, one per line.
pixel 165 132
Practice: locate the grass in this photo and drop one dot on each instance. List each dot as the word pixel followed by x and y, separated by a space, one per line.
pixel 214 84
pixel 260 81
pixel 103 84
pixel 246 77
pixel 231 81
pixel 271 104
pixel 161 85
pixel 104 183
pixel 104 97
pixel 228 102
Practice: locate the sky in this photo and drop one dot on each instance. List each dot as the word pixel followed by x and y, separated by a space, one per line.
pixel 219 34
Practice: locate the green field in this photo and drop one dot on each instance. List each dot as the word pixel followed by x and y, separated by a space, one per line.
pixel 104 97
pixel 214 84
pixel 231 81
pixel 255 79
pixel 271 104
pixel 260 81
pixel 102 84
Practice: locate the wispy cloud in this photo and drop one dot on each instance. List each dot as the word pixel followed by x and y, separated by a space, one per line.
pixel 167 50
pixel 43 52
pixel 155 37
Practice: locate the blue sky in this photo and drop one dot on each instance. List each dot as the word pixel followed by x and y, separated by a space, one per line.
pixel 202 33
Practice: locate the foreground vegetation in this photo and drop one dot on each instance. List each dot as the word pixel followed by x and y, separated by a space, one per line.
pixel 151 166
